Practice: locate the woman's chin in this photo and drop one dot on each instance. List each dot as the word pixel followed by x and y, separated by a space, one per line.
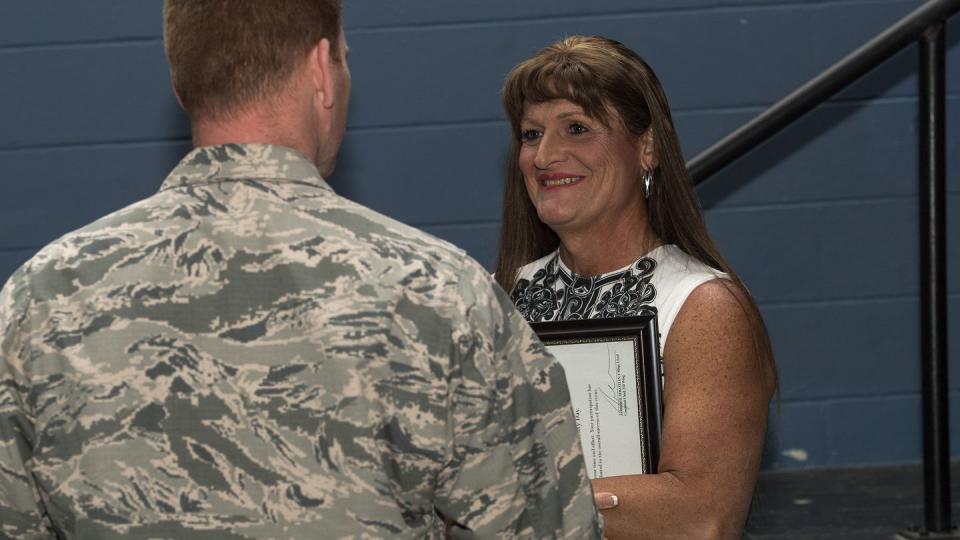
pixel 559 222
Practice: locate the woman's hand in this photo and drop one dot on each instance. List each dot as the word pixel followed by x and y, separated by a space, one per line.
pixel 605 501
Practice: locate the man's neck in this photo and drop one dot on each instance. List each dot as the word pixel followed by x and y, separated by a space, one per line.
pixel 254 127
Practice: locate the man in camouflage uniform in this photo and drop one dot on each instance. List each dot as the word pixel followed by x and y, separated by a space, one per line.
pixel 247 355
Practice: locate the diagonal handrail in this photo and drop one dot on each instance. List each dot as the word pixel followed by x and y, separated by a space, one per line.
pixel 926 26
pixel 819 89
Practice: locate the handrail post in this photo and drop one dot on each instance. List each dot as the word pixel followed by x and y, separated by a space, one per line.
pixel 933 284
pixel 937 522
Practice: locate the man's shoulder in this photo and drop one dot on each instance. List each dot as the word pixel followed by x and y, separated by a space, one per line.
pixel 380 233
pixel 85 245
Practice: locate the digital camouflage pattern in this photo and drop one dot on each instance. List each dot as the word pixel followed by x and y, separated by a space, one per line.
pixel 247 355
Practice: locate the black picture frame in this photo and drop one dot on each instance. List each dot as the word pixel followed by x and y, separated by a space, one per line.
pixel 641 330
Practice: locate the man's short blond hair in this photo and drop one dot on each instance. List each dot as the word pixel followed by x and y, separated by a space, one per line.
pixel 226 54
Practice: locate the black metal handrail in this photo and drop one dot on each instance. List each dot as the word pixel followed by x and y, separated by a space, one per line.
pixel 926 25
pixel 819 89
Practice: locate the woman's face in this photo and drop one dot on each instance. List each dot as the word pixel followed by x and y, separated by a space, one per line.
pixel 580 175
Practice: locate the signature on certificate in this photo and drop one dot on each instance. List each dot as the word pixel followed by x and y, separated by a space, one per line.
pixel 614 391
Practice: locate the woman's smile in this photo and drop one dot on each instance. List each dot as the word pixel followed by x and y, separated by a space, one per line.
pixel 559 180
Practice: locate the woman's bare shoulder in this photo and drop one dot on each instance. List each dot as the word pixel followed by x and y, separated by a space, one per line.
pixel 717 310
pixel 715 338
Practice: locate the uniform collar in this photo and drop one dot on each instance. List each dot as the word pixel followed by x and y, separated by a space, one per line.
pixel 232 162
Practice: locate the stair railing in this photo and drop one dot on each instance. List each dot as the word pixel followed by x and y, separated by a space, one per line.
pixel 926 25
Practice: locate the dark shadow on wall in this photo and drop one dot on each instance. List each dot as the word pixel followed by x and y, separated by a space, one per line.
pixel 795 138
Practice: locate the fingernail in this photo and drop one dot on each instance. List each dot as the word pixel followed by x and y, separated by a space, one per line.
pixel 606 501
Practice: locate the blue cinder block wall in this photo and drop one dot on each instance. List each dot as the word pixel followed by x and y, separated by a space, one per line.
pixel 821 221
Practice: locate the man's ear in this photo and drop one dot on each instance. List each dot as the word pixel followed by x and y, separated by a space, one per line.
pixel 176 94
pixel 320 72
pixel 647 147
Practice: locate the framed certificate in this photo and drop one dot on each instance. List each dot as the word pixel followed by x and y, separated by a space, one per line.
pixel 613 373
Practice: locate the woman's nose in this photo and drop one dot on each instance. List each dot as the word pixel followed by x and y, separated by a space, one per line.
pixel 549 151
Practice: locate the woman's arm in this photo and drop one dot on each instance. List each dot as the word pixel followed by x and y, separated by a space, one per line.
pixel 716 396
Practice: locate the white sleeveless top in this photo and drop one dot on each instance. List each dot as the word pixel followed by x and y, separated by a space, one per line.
pixel 546 290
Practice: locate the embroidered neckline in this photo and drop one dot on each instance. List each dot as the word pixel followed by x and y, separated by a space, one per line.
pixel 554 292
pixel 558 261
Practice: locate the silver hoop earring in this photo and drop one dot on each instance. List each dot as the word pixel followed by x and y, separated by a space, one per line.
pixel 647 180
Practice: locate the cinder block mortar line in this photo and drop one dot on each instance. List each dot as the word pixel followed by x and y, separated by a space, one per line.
pixel 81 44
pixel 818 203
pixel 858 398
pixel 834 103
pixel 849 301
pixel 621 14
pixel 14 249
pixel 458 224
pixel 97 145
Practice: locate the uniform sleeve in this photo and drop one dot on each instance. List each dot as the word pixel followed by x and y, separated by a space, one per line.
pixel 20 512
pixel 516 468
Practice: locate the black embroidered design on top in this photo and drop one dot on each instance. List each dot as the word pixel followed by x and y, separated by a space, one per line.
pixel 554 294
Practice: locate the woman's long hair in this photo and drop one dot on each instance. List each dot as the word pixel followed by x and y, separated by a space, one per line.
pixel 607 79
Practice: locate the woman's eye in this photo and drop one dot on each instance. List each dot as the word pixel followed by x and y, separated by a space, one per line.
pixel 529 135
pixel 578 129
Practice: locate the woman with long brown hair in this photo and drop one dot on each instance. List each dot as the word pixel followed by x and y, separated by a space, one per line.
pixel 599 220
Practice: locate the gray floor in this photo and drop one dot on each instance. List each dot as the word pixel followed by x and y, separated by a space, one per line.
pixel 848 504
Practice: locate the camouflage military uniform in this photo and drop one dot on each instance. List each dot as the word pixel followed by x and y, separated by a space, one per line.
pixel 248 355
